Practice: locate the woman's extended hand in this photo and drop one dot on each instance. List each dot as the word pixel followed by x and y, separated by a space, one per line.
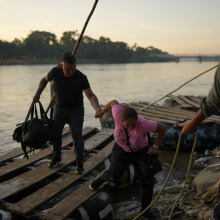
pixel 152 150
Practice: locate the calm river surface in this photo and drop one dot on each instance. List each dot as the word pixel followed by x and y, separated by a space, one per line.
pixel 124 82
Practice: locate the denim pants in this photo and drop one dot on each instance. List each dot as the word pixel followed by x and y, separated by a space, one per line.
pixel 75 118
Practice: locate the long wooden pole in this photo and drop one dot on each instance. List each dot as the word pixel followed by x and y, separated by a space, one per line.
pixel 76 46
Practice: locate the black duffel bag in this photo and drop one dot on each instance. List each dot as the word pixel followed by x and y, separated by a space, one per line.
pixel 148 165
pixel 36 131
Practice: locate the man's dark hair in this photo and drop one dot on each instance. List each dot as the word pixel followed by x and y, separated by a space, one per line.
pixel 67 57
pixel 128 112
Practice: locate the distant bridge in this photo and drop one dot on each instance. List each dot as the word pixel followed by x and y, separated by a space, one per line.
pixel 197 58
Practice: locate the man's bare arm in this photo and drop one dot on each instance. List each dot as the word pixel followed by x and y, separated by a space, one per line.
pixel 190 127
pixel 40 88
pixel 94 101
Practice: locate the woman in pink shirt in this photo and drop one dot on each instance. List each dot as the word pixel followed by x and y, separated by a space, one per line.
pixel 137 129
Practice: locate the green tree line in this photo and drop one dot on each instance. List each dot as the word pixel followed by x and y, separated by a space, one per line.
pixel 42 46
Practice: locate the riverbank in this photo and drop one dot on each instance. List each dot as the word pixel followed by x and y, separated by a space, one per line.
pixel 27 61
pixel 79 61
pixel 201 193
pixel 198 199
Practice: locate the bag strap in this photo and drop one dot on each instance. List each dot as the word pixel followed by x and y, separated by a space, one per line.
pixel 35 110
pixel 30 111
pixel 149 139
pixel 128 142
pixel 24 148
pixel 42 112
pixel 135 162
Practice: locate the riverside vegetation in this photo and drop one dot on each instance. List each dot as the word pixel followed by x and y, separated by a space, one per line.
pixel 43 47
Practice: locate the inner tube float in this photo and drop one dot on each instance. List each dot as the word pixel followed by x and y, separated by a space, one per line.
pixel 208 135
pixel 208 138
pixel 98 207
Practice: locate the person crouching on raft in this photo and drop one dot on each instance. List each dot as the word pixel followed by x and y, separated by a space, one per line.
pixel 121 157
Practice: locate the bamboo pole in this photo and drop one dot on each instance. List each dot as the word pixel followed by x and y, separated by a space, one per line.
pixel 76 46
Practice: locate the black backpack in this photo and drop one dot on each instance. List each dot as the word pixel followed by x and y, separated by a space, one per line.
pixel 36 131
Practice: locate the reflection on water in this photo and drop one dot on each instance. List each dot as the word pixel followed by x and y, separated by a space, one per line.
pixel 124 82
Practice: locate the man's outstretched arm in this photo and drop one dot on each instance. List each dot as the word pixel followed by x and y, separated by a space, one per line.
pixel 40 88
pixel 94 101
pixel 190 127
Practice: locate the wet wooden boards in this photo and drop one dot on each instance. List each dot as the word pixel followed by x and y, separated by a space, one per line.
pixel 26 184
pixel 32 201
pixel 18 164
pixel 169 115
pixel 19 152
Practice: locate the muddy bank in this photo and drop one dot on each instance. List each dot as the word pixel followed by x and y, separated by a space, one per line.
pixel 199 196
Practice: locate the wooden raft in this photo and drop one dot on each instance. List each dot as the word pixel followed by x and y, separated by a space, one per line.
pixel 169 115
pixel 27 185
pixel 188 101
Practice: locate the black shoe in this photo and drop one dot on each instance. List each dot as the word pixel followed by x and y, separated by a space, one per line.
pixel 79 170
pixel 149 216
pixel 54 162
pixel 98 182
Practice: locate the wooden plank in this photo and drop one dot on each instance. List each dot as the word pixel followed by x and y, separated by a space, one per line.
pixel 64 208
pixel 168 112
pixel 201 96
pixel 97 139
pixel 166 121
pixel 212 119
pixel 174 110
pixel 180 101
pixel 189 101
pixel 161 118
pixel 19 152
pixel 160 114
pixel 31 202
pixel 18 164
pixel 182 112
pixel 30 178
pixel 195 99
pixel 12 154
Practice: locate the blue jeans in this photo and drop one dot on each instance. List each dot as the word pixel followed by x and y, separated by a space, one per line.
pixel 75 118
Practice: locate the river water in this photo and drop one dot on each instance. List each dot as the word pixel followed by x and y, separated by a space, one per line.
pixel 124 82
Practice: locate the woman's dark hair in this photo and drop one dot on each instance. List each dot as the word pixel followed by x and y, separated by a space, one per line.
pixel 128 112
pixel 67 57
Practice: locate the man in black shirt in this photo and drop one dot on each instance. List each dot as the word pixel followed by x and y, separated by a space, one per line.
pixel 70 84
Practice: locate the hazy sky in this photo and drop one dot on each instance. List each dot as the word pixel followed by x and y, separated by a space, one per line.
pixel 175 26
